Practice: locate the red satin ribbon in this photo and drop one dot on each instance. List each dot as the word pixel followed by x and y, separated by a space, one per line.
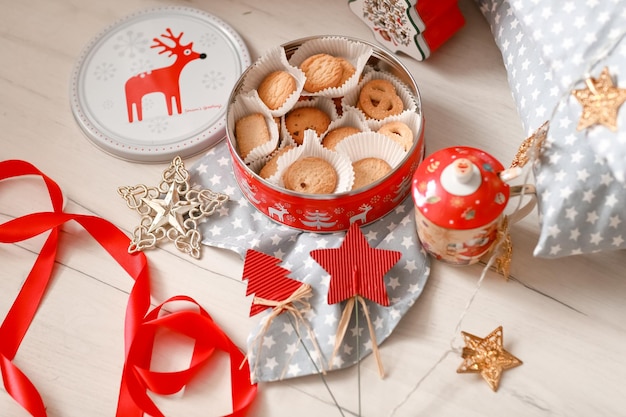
pixel 141 323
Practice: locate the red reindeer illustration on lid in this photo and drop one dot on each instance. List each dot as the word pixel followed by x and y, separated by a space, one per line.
pixel 161 80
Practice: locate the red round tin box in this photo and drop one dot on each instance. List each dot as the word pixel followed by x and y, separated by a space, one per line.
pixel 333 212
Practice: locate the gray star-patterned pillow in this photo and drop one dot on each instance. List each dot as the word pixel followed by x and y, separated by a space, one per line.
pixel 550 48
pixel 278 353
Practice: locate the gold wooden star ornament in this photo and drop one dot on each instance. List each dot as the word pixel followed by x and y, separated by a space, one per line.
pixel 487 356
pixel 600 100
pixel 171 210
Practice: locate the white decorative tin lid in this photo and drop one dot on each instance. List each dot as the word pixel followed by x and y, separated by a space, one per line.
pixel 156 84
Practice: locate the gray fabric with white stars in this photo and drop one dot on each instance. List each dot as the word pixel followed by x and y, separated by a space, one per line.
pixel 549 48
pixel 238 226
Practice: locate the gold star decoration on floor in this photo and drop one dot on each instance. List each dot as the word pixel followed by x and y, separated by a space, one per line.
pixel 171 210
pixel 600 100
pixel 487 356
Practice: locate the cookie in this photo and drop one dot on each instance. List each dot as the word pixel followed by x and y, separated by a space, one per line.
pixel 321 71
pixel 275 88
pixel 251 131
pixel 303 118
pixel 347 69
pixel 311 175
pixel 271 166
pixel 378 99
pixel 335 136
pixel 398 132
pixel 369 170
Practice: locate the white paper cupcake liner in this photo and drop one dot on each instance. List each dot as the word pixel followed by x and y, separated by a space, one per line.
pixel 409 118
pixel 274 60
pixel 312 147
pixel 355 52
pixel 372 145
pixel 245 105
pixel 352 118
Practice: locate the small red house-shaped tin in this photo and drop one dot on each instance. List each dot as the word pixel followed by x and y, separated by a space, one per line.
pixel 333 212
pixel 414 27
pixel 459 200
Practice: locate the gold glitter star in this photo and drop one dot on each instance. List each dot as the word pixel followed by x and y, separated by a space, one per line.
pixel 600 101
pixel 505 252
pixel 487 357
pixel 531 147
pixel 170 210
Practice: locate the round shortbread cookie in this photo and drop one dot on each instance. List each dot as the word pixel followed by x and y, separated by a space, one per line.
pixel 398 132
pixel 335 136
pixel 303 118
pixel 271 166
pixel 275 88
pixel 368 170
pixel 311 175
pixel 322 71
pixel 378 99
pixel 251 131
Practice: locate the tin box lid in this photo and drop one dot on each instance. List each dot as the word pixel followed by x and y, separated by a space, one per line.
pixel 156 84
pixel 460 188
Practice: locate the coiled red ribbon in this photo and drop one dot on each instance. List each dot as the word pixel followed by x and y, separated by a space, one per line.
pixel 141 323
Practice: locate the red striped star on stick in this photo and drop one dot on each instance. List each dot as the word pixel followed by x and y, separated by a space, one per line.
pixel 357 272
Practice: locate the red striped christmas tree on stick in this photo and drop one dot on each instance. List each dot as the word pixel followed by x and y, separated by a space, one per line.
pixel 272 288
pixel 267 281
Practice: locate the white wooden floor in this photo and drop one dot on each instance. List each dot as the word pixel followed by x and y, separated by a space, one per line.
pixel 563 318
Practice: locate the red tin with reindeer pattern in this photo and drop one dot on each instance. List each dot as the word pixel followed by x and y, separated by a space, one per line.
pixel 333 212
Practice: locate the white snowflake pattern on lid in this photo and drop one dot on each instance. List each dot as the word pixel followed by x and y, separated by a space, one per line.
pixel 155 84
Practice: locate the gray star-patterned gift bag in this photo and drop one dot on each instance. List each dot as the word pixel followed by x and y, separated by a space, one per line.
pixel 277 352
pixel 549 49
